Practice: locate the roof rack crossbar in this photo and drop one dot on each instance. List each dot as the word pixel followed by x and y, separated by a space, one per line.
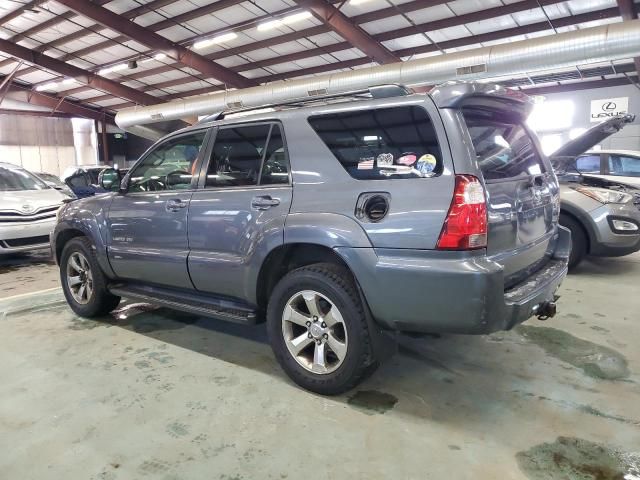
pixel 375 91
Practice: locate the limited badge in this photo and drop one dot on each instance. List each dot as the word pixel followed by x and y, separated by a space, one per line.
pixel 426 164
pixel 385 160
pixel 366 163
pixel 407 159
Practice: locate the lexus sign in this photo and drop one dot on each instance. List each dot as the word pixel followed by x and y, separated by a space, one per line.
pixel 607 108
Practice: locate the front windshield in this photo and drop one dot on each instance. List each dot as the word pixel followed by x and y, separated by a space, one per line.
pixel 15 179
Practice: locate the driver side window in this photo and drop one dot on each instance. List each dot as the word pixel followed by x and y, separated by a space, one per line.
pixel 169 166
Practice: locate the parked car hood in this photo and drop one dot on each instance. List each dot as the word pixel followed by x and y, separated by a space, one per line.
pixel 589 139
pixel 28 201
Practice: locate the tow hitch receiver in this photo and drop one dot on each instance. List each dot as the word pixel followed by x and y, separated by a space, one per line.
pixel 546 310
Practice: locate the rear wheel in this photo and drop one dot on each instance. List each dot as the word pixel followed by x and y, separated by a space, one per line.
pixel 83 283
pixel 318 329
pixel 578 240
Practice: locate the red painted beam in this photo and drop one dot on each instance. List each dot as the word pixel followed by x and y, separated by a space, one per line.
pixel 356 36
pixel 60 105
pixel 429 48
pixel 90 79
pixel 157 42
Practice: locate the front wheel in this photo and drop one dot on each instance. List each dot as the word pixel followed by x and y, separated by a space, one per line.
pixel 318 329
pixel 579 244
pixel 83 283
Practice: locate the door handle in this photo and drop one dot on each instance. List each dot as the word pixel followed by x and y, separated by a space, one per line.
pixel 264 202
pixel 175 204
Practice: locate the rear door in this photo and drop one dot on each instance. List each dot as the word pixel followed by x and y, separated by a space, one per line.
pixel 522 191
pixel 237 215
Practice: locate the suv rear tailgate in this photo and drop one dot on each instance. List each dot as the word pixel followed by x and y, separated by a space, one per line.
pixel 522 191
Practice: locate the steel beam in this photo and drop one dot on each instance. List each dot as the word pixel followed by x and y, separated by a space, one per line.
pixel 429 48
pixel 356 36
pixel 64 106
pixel 90 79
pixel 156 42
pixel 20 10
pixel 582 85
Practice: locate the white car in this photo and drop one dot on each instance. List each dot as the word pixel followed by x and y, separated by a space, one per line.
pixel 617 165
pixel 28 208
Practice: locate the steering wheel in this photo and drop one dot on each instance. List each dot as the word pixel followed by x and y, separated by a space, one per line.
pixel 167 177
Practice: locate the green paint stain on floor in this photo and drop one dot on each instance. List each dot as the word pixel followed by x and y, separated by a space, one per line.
pixel 372 401
pixel 594 360
pixel 571 458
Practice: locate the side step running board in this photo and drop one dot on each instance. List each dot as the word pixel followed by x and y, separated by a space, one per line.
pixel 208 306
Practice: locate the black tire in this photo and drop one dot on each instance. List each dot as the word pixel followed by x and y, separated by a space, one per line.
pixel 101 301
pixel 579 242
pixel 336 284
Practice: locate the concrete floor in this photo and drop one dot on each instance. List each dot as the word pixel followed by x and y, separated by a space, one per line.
pixel 151 393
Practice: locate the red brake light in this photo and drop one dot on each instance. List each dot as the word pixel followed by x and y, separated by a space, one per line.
pixel 465 227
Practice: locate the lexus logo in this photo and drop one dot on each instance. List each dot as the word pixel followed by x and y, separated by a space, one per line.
pixel 609 106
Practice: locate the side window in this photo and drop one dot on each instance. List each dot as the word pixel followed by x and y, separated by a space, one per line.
pixel 588 164
pixel 382 143
pixel 169 166
pixel 275 170
pixel 624 165
pixel 238 154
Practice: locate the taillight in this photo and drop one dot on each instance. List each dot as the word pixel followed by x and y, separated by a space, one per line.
pixel 466 225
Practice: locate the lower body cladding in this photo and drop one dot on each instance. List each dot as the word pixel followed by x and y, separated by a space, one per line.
pixel 25 236
pixel 616 230
pixel 437 292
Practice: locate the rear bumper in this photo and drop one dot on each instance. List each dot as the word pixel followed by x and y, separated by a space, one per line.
pixel 440 292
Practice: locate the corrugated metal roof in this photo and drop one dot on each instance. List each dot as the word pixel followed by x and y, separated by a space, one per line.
pixel 402 26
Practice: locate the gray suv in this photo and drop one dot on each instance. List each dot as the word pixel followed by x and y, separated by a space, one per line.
pixel 338 220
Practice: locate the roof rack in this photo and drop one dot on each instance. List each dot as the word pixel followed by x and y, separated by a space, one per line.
pixel 376 92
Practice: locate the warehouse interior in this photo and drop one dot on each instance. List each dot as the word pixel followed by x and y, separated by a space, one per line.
pixel 159 385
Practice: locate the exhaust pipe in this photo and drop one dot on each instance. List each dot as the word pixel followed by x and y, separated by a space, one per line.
pixel 597 44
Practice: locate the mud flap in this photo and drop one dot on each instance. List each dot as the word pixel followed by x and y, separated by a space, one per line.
pixel 384 344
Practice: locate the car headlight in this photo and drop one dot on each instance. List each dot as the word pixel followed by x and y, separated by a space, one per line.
pixel 59 212
pixel 604 195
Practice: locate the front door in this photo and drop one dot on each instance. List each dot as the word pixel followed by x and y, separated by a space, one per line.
pixel 147 225
pixel 238 215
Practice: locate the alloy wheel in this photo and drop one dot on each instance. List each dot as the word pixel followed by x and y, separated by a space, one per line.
pixel 314 332
pixel 79 278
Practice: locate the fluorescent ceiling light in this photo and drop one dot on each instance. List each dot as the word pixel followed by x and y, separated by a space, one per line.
pixel 357 2
pixel 296 17
pixel 160 56
pixel 69 81
pixel 47 86
pixel 114 68
pixel 207 42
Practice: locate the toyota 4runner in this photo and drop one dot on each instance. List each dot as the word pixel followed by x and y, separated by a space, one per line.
pixel 337 220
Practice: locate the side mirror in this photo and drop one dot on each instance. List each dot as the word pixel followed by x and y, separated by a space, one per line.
pixel 109 179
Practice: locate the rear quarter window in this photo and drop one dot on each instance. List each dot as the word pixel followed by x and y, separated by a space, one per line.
pixel 382 143
pixel 504 149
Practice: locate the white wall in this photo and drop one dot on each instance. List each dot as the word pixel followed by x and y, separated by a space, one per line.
pixel 47 144
pixel 628 138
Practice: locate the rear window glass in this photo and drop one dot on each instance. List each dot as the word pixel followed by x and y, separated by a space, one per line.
pixel 383 143
pixel 504 149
